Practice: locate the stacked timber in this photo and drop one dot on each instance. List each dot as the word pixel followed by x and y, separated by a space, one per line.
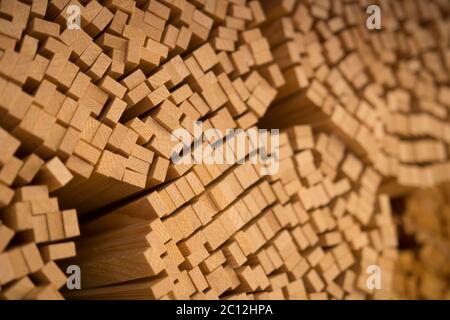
pixel 94 96
pixel 90 93
pixel 385 92
pixel 108 95
pixel 33 228
pixel 422 270
pixel 309 231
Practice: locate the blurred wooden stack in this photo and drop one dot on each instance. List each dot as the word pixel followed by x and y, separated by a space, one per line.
pixel 422 270
pixel 89 114
pixel 384 92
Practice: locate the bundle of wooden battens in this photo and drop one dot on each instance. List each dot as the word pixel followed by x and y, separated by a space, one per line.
pixel 32 226
pixel 97 104
pixel 88 113
pixel 385 92
pixel 310 231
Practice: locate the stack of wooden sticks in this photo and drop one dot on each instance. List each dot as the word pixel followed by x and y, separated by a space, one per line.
pixel 32 226
pixel 91 93
pixel 309 231
pixel 386 93
pixel 422 270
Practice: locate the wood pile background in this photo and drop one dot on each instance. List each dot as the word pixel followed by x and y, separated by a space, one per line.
pixel 86 122
pixel 422 270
